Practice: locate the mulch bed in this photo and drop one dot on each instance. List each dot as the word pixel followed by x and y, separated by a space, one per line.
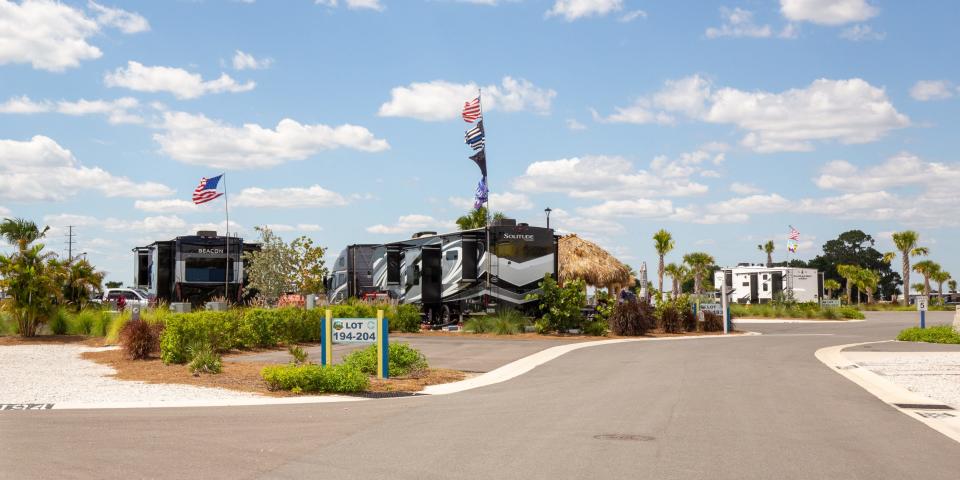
pixel 52 340
pixel 245 377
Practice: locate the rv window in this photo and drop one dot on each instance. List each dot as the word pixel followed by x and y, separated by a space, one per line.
pixel 765 287
pixel 746 284
pixel 206 269
pixel 452 255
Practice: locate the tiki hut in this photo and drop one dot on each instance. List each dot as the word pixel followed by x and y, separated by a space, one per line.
pixel 590 263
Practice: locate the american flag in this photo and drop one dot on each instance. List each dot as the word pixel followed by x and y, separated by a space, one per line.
pixel 794 234
pixel 471 110
pixel 207 190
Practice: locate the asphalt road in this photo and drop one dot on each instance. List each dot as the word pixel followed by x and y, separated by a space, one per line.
pixel 748 407
pixel 468 353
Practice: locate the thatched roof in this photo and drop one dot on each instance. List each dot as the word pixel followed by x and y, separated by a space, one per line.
pixel 594 265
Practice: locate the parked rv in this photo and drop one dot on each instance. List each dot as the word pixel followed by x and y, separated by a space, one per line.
pixel 752 284
pixel 352 273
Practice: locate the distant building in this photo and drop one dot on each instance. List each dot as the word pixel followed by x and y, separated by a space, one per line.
pixel 752 284
pixel 192 268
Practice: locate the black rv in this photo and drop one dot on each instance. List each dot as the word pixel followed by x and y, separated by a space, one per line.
pixel 352 273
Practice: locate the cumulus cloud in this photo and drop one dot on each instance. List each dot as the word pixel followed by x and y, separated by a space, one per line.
pixel 849 111
pixel 198 140
pixel 738 22
pixel 828 12
pixel 246 61
pixel 40 169
pixel 314 196
pixel 572 10
pixel 638 208
pixel 861 33
pixel 54 36
pixel 604 177
pixel 300 227
pixel 177 81
pixel 925 90
pixel 901 170
pixel 169 205
pixel 354 4
pixel 409 224
pixel 117 111
pixel 744 188
pixel 441 100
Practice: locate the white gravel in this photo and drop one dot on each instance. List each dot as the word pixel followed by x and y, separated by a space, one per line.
pixel 56 374
pixel 935 375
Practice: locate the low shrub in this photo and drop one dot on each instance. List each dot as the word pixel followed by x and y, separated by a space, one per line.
pixel 82 322
pixel 314 378
pixel 478 325
pixel 542 326
pixel 139 339
pixel 204 359
pixel 669 319
pixel 58 322
pixel 403 360
pixel 809 310
pixel 850 313
pixel 505 326
pixel 596 328
pixel 938 334
pixel 299 355
pixel 712 322
pixel 632 318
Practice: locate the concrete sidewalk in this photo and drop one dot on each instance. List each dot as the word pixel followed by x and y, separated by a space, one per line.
pixel 931 370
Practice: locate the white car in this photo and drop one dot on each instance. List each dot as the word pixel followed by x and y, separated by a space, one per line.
pixel 133 296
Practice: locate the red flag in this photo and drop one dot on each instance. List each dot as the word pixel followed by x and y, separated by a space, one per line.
pixel 471 110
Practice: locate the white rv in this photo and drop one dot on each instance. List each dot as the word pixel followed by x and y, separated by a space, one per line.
pixel 751 284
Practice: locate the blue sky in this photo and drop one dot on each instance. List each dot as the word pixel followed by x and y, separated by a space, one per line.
pixel 723 122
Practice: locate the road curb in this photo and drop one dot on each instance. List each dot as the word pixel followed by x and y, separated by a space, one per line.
pixel 946 422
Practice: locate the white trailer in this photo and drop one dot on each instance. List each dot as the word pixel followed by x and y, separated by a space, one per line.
pixel 752 284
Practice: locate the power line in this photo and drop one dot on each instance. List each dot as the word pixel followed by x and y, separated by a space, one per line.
pixel 70 237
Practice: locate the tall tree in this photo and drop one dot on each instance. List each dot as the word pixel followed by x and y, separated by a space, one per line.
pixel 940 277
pixel 699 263
pixel 906 243
pixel 678 274
pixel 21 232
pixel 310 269
pixel 768 248
pixel 830 286
pixel 477 218
pixel 81 281
pixel 33 281
pixel 867 282
pixel 927 268
pixel 663 244
pixel 855 247
pixel 269 269
pixel 953 286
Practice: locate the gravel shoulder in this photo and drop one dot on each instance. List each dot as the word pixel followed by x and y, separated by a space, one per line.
pixel 58 374
pixel 934 374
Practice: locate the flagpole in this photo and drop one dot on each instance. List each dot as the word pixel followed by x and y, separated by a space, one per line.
pixel 489 215
pixel 226 208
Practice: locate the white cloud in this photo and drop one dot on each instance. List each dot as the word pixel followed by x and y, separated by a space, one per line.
pixel 198 140
pixel 246 61
pixel 574 125
pixel 692 214
pixel 901 170
pixel 117 111
pixel 827 12
pixel 631 16
pixel 126 22
pixel 24 105
pixel 572 10
pixel 744 188
pixel 506 202
pixel 292 197
pixel 738 22
pixel 849 111
pixel 169 224
pixel 177 81
pixel 165 206
pixel 861 33
pixel 770 203
pixel 441 100
pixel 300 227
pixel 40 169
pixel 639 208
pixel 354 4
pixel 409 224
pixel 925 90
pixel 601 177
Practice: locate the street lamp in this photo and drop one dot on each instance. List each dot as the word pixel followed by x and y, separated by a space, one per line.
pixel 547 211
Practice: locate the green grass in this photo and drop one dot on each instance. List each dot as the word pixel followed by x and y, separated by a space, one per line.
pixel 798 310
pixel 506 322
pixel 896 307
pixel 938 334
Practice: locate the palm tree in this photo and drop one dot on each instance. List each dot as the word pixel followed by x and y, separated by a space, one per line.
pixel 662 243
pixel 82 280
pixel 678 274
pixel 867 281
pixel 768 248
pixel 831 285
pixel 849 274
pixel 699 262
pixel 477 218
pixel 906 243
pixel 953 286
pixel 21 232
pixel 940 277
pixel 33 281
pixel 927 268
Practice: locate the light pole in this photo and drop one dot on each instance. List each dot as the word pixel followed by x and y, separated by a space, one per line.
pixel 547 211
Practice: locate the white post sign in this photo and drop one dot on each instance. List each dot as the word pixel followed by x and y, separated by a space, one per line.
pixel 922 304
pixel 354 330
pixel 714 308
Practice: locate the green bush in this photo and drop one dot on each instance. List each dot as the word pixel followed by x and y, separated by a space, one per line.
pixel 204 358
pixel 314 378
pixel 632 318
pixel 938 334
pixel 504 326
pixel 561 306
pixel 809 310
pixel 82 322
pixel 58 322
pixel 403 360
pixel 851 313
pixel 221 330
pixel 596 328
pixel 299 355
pixel 478 325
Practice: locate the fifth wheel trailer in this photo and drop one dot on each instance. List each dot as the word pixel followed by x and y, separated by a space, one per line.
pixel 752 284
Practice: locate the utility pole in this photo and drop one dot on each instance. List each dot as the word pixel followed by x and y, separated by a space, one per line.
pixel 70 242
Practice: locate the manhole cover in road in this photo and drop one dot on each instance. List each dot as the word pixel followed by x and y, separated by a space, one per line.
pixel 623 436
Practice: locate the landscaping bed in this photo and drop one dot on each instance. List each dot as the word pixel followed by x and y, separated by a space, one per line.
pixel 806 311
